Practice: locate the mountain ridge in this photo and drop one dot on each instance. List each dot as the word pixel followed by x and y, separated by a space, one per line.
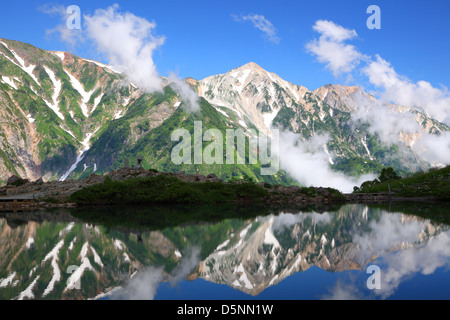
pixel 56 107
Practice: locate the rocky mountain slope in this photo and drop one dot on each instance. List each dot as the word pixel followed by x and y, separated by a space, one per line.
pixel 52 105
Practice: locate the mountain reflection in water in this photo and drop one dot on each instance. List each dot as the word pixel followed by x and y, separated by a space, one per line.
pixel 225 252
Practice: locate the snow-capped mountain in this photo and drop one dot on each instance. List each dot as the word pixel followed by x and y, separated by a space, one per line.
pixel 254 94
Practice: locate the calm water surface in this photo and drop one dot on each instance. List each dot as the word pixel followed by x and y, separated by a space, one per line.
pixel 348 252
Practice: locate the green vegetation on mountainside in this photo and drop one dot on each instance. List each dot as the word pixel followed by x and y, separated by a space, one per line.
pixel 434 183
pixel 132 136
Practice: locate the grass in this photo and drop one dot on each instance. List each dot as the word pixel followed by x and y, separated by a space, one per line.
pixel 163 190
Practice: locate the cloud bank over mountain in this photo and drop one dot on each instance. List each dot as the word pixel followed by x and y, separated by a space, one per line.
pixel 341 58
pixel 128 43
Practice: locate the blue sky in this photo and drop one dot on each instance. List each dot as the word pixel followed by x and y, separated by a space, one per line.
pixel 204 38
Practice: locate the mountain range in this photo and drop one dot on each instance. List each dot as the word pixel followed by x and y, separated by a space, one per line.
pixel 65 117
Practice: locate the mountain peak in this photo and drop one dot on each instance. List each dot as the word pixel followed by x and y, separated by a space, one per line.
pixel 340 90
pixel 251 65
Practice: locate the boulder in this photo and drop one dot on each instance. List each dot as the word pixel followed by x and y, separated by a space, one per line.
pixel 16 181
pixel 213 178
pixel 200 178
pixel 13 180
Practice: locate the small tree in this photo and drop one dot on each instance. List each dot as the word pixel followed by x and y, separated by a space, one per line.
pixel 388 174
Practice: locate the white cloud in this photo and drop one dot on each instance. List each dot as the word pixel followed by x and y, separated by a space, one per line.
pixel 70 36
pixel 333 32
pixel 286 220
pixel 128 43
pixel 190 260
pixel 144 285
pixel 434 149
pixel 393 124
pixel 343 291
pixel 423 259
pixel 340 58
pixel 393 232
pixel 189 96
pixel 388 121
pixel 400 90
pixel 330 48
pixel 308 163
pixel 261 23
pixel 141 287
pixel 398 245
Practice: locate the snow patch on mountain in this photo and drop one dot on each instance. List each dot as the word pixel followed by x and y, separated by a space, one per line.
pixel 269 237
pixel 85 96
pixel 30 242
pixel 244 232
pixel 268 119
pixel 53 255
pixel 28 292
pixel 11 60
pixel 72 243
pixel 96 257
pixel 7 281
pixel 80 157
pixel 57 84
pixel 97 101
pixel 222 112
pixel 126 101
pixel 330 159
pixel 85 265
pixel 9 81
pixel 118 115
pixel 223 245
pixel 28 69
pixel 364 142
pixel 241 80
pixel 119 244
pixel 30 118
pixel 67 229
pixel 60 54
pixel 105 66
pixel 126 257
pixel 243 277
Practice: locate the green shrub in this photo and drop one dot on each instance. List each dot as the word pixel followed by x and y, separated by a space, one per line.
pixel 165 189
